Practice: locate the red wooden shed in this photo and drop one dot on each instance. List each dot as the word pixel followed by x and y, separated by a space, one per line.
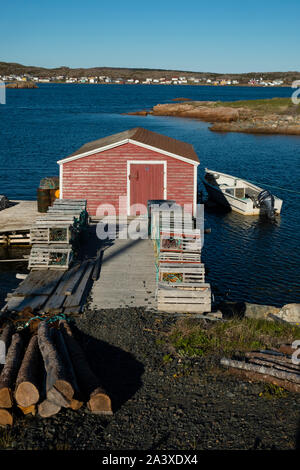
pixel 136 164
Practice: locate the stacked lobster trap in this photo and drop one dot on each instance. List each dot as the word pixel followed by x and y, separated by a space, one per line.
pixel 55 236
pixel 180 274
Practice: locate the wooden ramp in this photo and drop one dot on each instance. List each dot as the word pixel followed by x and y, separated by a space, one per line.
pixel 54 291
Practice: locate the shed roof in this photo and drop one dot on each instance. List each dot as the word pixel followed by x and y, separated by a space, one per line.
pixel 142 136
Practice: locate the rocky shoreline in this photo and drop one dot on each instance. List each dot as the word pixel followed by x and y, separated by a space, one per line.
pixel 21 85
pixel 233 117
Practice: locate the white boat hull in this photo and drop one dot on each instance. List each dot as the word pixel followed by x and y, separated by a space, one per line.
pixel 225 193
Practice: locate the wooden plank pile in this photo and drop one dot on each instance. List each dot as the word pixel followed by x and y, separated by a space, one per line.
pixel 54 237
pixel 268 366
pixel 54 291
pixel 46 372
pixel 181 283
pixel 19 237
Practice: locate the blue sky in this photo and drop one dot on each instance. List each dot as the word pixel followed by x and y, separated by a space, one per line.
pixel 217 36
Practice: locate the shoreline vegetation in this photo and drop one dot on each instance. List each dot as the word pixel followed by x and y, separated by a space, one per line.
pixel 262 116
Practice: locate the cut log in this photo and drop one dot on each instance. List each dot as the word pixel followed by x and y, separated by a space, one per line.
pixel 257 377
pixel 28 410
pixel 59 377
pixel 76 404
pixel 47 409
pixel 28 381
pixel 292 377
pixel 283 362
pixel 10 370
pixel 64 352
pixel 98 400
pixel 261 362
pixel 6 335
pixel 6 418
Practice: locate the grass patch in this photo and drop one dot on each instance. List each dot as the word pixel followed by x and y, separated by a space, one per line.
pixel 192 339
pixel 5 438
pixel 272 392
pixel 273 105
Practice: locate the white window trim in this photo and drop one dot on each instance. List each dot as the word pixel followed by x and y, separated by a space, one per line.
pixel 61 169
pixel 144 162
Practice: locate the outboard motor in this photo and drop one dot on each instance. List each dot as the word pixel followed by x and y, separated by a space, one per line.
pixel 266 203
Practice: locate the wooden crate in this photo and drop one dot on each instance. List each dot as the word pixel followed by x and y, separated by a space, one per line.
pixel 172 273
pixel 50 257
pixel 179 242
pixel 179 257
pixel 184 299
pixel 58 234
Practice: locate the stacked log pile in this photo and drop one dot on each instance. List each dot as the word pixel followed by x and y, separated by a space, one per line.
pixel 268 366
pixel 48 372
pixel 55 236
pixel 181 283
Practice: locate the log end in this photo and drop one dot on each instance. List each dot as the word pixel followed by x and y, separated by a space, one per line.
pixel 47 409
pixel 6 400
pixel 65 388
pixel 27 410
pixel 6 418
pixel 75 404
pixel 100 403
pixel 27 394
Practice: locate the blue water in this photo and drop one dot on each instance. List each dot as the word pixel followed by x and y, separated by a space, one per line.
pixel 248 259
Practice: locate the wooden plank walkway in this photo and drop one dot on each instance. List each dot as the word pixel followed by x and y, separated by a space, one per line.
pixel 127 276
pixel 20 216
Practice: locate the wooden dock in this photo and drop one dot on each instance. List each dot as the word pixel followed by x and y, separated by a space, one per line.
pixel 20 216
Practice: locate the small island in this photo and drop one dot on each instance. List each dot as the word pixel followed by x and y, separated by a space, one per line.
pixel 21 85
pixel 263 116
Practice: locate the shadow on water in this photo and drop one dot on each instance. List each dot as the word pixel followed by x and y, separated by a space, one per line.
pixel 118 371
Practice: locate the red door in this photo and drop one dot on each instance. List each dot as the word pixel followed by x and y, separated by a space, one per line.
pixel 146 182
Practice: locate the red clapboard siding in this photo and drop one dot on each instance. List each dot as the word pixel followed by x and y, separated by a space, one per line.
pixel 102 177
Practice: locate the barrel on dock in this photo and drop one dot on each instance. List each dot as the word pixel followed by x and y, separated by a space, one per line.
pixel 43 199
pixel 47 192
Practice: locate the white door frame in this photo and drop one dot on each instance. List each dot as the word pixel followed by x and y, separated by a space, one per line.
pixel 144 162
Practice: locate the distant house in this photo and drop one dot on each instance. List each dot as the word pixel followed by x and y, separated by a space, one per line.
pixel 137 164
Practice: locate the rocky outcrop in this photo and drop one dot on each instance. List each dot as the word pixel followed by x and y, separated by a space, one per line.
pixel 198 110
pixel 21 85
pixel 258 127
pixel 144 112
pixel 243 117
pixel 290 313
pixel 4 202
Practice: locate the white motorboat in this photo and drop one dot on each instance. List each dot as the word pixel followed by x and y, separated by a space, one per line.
pixel 239 195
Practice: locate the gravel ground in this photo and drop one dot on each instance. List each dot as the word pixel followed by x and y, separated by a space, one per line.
pixel 159 405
